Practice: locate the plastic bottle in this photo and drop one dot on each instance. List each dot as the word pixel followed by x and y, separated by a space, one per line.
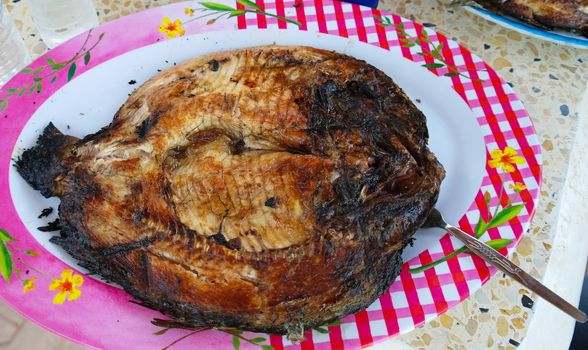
pixel 13 53
pixel 60 20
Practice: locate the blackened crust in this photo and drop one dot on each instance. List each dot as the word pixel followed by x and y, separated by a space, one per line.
pixel 41 165
pixel 286 209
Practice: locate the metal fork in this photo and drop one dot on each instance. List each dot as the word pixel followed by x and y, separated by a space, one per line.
pixel 485 252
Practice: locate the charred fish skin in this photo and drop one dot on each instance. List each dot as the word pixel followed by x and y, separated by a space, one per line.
pixel 570 15
pixel 271 189
pixel 41 165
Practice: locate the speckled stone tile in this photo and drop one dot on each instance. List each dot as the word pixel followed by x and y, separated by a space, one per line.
pixel 549 78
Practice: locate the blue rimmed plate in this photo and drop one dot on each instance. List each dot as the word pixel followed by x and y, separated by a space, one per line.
pixel 556 36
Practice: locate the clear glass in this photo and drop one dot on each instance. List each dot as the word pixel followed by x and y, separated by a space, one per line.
pixel 13 52
pixel 59 20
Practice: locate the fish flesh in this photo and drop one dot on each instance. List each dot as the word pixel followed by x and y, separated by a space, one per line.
pixel 270 189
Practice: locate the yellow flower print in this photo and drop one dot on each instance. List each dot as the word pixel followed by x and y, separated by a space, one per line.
pixel 67 287
pixel 517 187
pixel 189 11
pixel 29 284
pixel 171 29
pixel 505 159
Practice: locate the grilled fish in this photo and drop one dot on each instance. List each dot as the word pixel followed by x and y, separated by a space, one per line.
pixel 571 15
pixel 270 189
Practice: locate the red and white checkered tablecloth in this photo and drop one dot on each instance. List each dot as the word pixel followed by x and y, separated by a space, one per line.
pixel 414 299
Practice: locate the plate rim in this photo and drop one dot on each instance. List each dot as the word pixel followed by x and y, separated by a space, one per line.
pixel 354 9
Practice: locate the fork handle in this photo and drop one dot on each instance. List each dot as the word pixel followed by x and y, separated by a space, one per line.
pixel 508 267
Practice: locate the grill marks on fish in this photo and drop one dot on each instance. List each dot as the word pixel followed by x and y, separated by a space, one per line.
pixel 224 183
pixel 147 125
pixel 126 247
